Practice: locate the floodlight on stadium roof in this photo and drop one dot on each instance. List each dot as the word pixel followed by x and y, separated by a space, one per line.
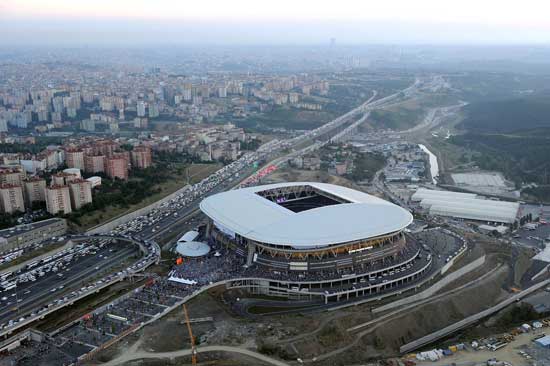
pixel 355 215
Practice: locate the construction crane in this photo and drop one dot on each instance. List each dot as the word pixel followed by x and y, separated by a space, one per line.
pixel 193 349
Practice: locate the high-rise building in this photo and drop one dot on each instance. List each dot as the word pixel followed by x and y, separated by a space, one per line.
pixel 141 122
pixel 13 176
pixel 141 157
pixel 116 167
pixel 153 110
pixel 94 163
pixel 63 178
pixel 88 125
pixel 81 193
pixel 187 95
pixel 11 198
pixel 114 127
pixel 105 147
pixel 58 199
pixel 141 108
pixel 3 125
pixel 74 158
pixel 35 188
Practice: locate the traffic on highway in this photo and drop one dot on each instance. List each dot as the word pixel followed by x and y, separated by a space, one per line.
pixel 45 285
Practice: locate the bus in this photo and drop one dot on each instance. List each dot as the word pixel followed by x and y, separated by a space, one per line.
pixel 9 286
pixel 32 264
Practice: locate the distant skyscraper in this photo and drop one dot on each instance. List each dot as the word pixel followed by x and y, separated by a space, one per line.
pixel 88 125
pixel 153 110
pixel 141 108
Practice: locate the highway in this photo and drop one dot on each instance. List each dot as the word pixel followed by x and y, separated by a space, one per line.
pixel 31 296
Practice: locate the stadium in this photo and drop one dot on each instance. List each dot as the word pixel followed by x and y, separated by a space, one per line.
pixel 316 237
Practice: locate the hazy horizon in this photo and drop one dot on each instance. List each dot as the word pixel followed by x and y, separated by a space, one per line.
pixel 244 22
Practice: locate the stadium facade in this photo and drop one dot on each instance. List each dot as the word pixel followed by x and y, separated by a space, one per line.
pixel 316 238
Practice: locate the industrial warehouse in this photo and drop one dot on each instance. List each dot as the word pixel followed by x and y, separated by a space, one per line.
pixel 467 206
pixel 316 239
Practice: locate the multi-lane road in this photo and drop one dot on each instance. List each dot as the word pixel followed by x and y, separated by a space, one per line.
pixel 33 295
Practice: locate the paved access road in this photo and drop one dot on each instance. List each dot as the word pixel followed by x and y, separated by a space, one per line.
pixel 142 355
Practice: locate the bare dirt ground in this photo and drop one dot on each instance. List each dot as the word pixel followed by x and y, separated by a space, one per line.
pixel 170 333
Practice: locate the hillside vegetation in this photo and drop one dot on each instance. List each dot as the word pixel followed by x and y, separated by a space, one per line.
pixel 511 136
pixel 505 116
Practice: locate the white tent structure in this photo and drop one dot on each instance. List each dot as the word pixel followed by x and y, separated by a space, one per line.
pixel 422 193
pixel 189 236
pixel 466 206
pixel 192 249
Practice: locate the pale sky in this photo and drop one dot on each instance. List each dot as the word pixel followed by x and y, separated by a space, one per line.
pixel 353 21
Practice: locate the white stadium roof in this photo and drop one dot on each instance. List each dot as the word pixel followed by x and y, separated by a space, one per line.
pixel 250 215
pixel 466 206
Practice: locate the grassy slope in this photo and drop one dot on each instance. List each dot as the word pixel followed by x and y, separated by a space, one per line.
pixel 196 173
